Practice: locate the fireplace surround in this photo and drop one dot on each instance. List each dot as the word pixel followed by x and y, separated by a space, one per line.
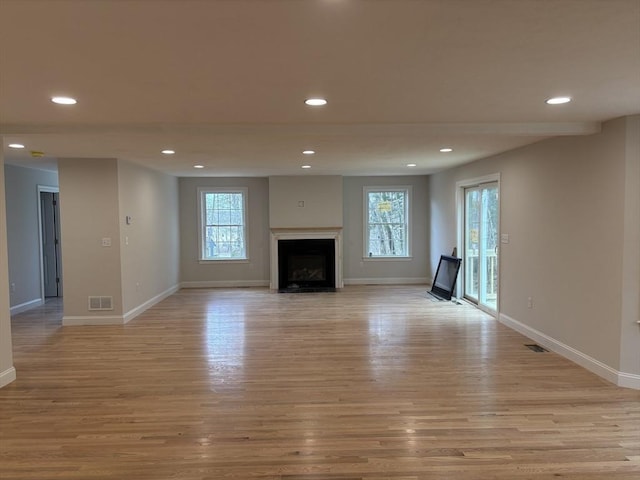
pixel 306 265
pixel 306 260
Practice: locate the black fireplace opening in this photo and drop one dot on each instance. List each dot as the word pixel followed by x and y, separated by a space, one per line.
pixel 306 265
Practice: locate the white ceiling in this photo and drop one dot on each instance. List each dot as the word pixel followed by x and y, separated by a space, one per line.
pixel 223 82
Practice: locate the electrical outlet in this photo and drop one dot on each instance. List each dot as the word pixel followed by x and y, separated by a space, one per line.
pixel 13 288
pixel 530 302
pixel 106 242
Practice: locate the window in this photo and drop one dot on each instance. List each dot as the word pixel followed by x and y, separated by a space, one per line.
pixel 223 227
pixel 387 221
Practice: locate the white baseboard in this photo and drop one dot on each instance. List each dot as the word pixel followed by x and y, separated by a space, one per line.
pixel 225 283
pixel 621 379
pixel 388 281
pixel 23 307
pixel 72 321
pixel 629 380
pixel 133 313
pixel 8 376
pixel 118 319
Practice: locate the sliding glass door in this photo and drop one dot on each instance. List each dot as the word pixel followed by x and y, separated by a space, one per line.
pixel 481 245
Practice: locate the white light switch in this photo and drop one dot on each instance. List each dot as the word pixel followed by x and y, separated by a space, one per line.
pixel 504 238
pixel 106 241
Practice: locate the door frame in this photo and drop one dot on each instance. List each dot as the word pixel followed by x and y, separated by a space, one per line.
pixel 42 189
pixel 460 218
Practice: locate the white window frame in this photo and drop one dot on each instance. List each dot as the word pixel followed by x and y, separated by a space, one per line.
pixel 408 191
pixel 202 191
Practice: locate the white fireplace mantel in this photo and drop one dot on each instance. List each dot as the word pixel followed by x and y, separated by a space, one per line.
pixel 334 233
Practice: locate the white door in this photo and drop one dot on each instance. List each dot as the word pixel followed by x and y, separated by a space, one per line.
pixel 481 217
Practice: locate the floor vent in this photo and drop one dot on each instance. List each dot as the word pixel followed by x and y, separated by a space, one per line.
pixel 536 348
pixel 100 303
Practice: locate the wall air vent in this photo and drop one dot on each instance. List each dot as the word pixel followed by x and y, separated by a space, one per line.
pixel 536 348
pixel 100 303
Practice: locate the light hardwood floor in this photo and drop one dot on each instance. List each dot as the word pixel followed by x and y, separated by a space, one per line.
pixel 370 383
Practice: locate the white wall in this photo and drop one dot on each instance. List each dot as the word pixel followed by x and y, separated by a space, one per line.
pixel 89 212
pixel 329 201
pixel 21 187
pixel 563 206
pixel 150 244
pixel 305 202
pixel 7 371
pixel 141 267
pixel 630 329
pixel 255 271
pixel 358 269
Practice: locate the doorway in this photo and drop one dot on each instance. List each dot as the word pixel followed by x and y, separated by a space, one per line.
pixel 50 251
pixel 479 212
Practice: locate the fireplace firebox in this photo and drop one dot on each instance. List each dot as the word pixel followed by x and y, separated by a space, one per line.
pixel 306 265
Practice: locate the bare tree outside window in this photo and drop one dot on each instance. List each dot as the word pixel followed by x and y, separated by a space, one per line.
pixel 387 222
pixel 223 225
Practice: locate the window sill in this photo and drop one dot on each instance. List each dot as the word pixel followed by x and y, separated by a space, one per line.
pixel 223 260
pixel 387 259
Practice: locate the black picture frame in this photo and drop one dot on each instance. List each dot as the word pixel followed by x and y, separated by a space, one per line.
pixel 444 283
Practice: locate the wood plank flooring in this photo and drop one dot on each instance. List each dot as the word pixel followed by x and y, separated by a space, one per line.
pixel 369 383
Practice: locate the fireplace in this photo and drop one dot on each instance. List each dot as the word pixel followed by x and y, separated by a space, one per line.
pixel 306 265
pixel 331 237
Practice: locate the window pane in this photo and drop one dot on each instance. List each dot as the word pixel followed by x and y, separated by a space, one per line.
pixel 236 201
pixel 235 217
pixel 223 200
pixel 387 223
pixel 224 217
pixel 224 230
pixel 210 220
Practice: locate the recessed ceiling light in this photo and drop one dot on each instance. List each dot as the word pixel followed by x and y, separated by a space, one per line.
pixel 306 166
pixel 446 150
pixel 64 100
pixel 315 102
pixel 411 164
pixel 16 145
pixel 309 152
pixel 168 152
pixel 198 166
pixel 558 100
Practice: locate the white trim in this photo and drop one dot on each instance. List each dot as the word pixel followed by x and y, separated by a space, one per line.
pixel 131 314
pixel 224 260
pixel 8 376
pixel 277 234
pixel 118 319
pixel 477 181
pixel 23 307
pixel 201 221
pixel 72 321
pixel 621 379
pixel 387 259
pixel 225 283
pixel 484 308
pixel 388 281
pixel 408 190
pixel 628 380
pixel 460 207
pixel 420 130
